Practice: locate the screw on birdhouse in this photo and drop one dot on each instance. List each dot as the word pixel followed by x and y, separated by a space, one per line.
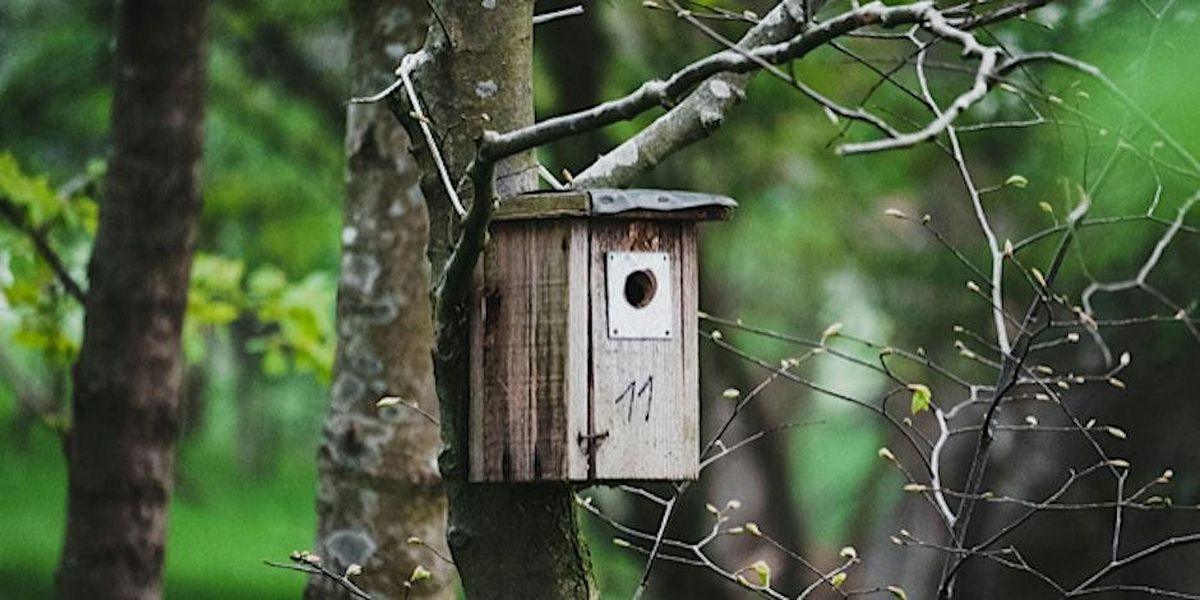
pixel 591 442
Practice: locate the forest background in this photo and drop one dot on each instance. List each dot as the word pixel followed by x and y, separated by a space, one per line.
pixel 810 246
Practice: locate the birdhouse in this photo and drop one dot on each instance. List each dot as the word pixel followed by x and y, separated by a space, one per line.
pixel 584 337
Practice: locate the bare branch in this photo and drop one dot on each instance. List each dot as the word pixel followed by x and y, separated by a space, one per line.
pixel 306 562
pixel 570 11
pixel 41 244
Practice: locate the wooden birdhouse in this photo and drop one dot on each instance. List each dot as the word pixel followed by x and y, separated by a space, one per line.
pixel 584 338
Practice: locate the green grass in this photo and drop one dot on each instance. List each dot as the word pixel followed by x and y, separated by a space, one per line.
pixel 222 523
pixel 32 505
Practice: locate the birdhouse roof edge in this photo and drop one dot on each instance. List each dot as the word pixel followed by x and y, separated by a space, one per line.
pixel 647 204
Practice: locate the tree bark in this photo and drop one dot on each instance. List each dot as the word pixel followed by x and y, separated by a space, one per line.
pixel 508 541
pixel 120 450
pixel 257 433
pixel 379 483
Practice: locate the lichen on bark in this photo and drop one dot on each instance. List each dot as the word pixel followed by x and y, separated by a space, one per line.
pixel 379 484
pixel 508 541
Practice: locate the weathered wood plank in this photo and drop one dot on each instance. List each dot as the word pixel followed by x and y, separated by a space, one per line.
pixel 579 350
pixel 643 399
pixel 509 350
pixel 543 205
pixel 521 409
pixel 689 409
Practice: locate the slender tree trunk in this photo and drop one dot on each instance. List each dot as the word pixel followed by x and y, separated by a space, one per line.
pixel 508 541
pixel 378 466
pixel 120 450
pixel 258 434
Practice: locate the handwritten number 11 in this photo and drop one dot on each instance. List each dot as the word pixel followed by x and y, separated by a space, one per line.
pixel 633 392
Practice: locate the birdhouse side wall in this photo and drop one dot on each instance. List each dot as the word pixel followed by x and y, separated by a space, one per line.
pixel 529 397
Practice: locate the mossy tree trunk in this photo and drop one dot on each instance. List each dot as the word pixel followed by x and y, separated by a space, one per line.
pixel 508 541
pixel 379 483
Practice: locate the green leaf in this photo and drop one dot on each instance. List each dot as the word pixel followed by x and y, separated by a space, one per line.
pixel 1017 181
pixel 213 312
pixel 837 580
pixel 267 281
pixel 274 363
pixel 763 571
pixel 921 397
pixel 419 574
pixel 831 331
pixel 32 193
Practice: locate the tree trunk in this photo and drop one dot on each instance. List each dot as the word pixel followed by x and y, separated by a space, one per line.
pixel 120 450
pixel 508 541
pixel 379 483
pixel 257 433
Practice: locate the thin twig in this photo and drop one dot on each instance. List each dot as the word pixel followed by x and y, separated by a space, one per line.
pixel 558 14
pixel 41 244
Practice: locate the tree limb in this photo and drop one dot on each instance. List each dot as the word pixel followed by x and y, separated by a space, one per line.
pixel 41 244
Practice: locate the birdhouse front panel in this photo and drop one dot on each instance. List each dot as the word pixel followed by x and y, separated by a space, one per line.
pixel 645 407
pixel 584 338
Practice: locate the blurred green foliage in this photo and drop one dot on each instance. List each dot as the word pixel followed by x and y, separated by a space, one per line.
pixel 294 320
pixel 259 329
pixel 31 290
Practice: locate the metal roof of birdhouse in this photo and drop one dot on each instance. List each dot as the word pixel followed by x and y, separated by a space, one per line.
pixel 615 203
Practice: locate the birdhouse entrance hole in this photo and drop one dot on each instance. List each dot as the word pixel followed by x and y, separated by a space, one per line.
pixel 640 287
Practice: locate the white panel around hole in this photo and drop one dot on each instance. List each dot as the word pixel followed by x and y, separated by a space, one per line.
pixel 639 295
